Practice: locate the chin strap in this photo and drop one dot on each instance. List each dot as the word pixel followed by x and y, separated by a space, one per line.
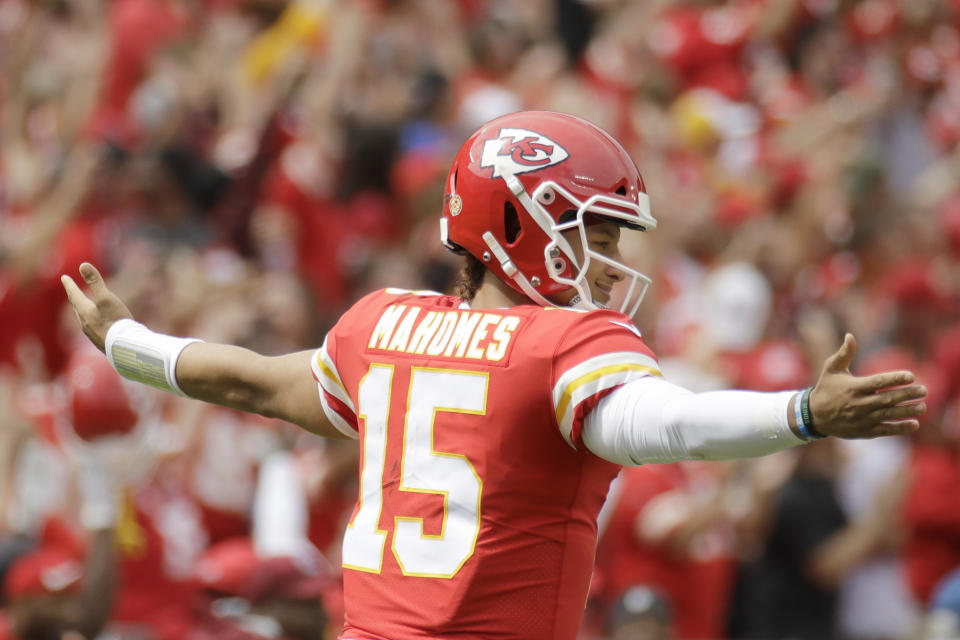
pixel 510 269
pixel 577 302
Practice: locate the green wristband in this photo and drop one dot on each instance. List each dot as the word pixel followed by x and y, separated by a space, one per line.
pixel 807 415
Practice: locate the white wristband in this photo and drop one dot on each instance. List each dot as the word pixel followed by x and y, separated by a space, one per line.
pixel 139 354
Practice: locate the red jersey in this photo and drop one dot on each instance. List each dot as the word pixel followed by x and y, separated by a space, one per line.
pixel 477 514
pixel 655 501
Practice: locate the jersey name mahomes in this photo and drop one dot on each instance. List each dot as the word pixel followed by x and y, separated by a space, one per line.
pixel 473 335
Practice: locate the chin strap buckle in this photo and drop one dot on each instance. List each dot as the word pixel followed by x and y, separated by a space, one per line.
pixel 505 262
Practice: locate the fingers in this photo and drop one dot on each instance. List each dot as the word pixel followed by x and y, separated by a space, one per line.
pixel 76 297
pixel 900 428
pixel 886 380
pixel 97 296
pixel 97 308
pixel 894 396
pixel 896 404
pixel 899 412
pixel 98 289
pixel 840 361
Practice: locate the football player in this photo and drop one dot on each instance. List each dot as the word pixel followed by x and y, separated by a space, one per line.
pixel 492 422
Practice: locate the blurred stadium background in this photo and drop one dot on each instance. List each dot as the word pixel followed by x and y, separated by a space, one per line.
pixel 242 170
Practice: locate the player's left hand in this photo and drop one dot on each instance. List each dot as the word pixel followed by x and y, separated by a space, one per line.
pixel 97 310
pixel 848 406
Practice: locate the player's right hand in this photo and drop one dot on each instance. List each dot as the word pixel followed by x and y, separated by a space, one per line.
pixel 97 309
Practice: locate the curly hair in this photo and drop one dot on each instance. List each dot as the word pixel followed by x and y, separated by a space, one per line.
pixel 470 277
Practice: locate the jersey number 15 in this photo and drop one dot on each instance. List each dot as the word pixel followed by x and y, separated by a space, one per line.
pixel 422 470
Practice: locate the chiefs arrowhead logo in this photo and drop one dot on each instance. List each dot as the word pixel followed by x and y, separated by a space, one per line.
pixel 520 151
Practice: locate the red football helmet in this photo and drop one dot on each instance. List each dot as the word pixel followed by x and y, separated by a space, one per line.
pixel 522 180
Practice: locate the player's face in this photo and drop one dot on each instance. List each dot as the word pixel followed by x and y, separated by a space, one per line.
pixel 603 238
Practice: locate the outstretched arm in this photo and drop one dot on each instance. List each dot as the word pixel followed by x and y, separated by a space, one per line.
pixel 276 387
pixel 652 420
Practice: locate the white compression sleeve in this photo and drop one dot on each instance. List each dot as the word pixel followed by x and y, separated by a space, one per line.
pixel 652 420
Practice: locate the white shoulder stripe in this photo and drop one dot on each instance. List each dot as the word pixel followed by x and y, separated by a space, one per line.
pixel 600 362
pixel 593 376
pixel 394 291
pixel 629 327
pixel 335 418
pixel 329 378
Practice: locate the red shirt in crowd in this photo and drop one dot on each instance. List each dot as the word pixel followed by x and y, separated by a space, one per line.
pixel 932 517
pixel 696 582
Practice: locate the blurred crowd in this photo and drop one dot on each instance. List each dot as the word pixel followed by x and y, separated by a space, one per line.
pixel 242 170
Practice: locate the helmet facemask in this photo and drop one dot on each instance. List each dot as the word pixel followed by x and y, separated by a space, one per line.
pixel 558 253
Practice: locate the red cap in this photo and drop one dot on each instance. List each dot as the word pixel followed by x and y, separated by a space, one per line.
pixel 234 568
pixel 288 578
pixel 44 571
pixel 100 405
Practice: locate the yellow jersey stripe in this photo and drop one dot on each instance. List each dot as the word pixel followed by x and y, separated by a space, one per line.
pixel 330 374
pixel 564 403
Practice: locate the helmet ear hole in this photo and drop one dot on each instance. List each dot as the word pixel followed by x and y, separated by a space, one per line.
pixel 512 230
pixel 621 190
